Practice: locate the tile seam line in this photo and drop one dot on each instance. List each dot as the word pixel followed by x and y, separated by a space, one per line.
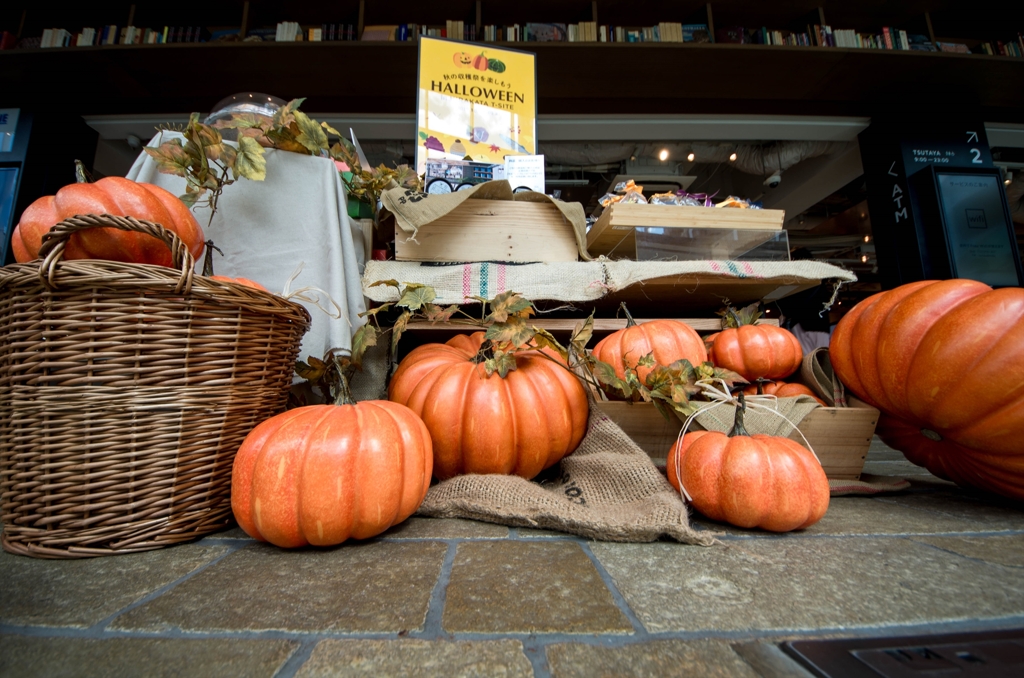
pixel 620 601
pixel 101 626
pixel 973 559
pixel 930 627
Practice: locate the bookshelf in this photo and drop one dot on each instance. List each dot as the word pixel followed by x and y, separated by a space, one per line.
pixel 573 78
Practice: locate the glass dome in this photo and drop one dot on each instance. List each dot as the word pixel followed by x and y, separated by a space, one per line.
pixel 255 103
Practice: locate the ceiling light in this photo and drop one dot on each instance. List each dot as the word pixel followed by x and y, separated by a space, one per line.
pixel 1009 178
pixel 732 158
pixel 663 154
pixel 863 215
pixel 690 157
pixel 867 238
pixel 864 259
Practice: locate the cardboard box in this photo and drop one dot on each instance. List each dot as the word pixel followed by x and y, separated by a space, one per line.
pixel 614 233
pixel 492 230
pixel 840 436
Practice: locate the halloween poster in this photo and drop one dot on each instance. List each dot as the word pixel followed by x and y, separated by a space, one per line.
pixel 476 104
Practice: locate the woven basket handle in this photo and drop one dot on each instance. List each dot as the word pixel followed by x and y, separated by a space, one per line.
pixel 55 241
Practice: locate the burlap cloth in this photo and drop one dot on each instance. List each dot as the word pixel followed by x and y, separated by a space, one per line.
pixel 579 281
pixel 608 489
pixel 414 210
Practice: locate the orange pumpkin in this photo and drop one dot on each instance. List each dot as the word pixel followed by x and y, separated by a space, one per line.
pixel 781 389
pixel 480 62
pixel 520 424
pixel 668 340
pixel 462 59
pixel 925 447
pixel 322 474
pixel 757 351
pixel 241 281
pixel 112 195
pixel 947 353
pixel 966 378
pixel 750 481
pixel 873 345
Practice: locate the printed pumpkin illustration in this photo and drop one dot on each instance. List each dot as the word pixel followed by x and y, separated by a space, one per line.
pixel 480 63
pixel 496 65
pixel 462 59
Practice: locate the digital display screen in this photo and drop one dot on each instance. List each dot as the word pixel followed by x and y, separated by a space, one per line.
pixel 8 183
pixel 980 243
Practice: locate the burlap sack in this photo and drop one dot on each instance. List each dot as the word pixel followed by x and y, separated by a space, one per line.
pixel 757 419
pixel 608 489
pixel 816 373
pixel 413 210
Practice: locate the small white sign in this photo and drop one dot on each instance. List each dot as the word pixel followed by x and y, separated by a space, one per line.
pixel 8 124
pixel 525 171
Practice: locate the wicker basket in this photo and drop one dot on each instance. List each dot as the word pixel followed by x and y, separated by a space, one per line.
pixel 125 391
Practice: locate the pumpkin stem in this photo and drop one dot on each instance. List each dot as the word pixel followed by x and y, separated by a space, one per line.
pixel 208 259
pixel 629 319
pixel 760 385
pixel 81 174
pixel 738 429
pixel 485 353
pixel 343 392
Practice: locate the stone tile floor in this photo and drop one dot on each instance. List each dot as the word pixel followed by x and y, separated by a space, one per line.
pixel 461 598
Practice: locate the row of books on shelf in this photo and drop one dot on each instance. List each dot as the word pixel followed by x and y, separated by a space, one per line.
pixel 826 36
pixel 124 35
pixel 585 31
pixel 1013 48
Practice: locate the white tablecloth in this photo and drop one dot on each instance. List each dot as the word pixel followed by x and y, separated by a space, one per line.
pixel 268 229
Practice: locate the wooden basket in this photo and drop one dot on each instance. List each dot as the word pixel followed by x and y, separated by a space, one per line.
pixel 125 391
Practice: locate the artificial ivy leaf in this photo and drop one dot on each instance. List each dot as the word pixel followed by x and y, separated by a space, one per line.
pixel 582 334
pixel 364 338
pixel 284 138
pixel 502 363
pixel 508 304
pixel 544 339
pixel 605 374
pixel 406 177
pixel 284 115
pixel 243 121
pixel 250 161
pixel 330 130
pixel 312 371
pixel 390 283
pixel 515 331
pixel 415 296
pixel 344 150
pixel 646 360
pixel 226 155
pixel 731 318
pixel 436 314
pixel 311 135
pixel 170 158
pixel 189 199
pixel 374 311
pixel 396 333
pixel 205 135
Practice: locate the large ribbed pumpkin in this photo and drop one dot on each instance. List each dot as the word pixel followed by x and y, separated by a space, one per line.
pixel 1003 474
pixel 520 424
pixel 757 351
pixel 874 344
pixel 966 378
pixel 322 474
pixel 762 481
pixel 947 353
pixel 667 340
pixel 111 195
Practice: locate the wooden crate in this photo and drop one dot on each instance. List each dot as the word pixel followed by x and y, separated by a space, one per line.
pixel 614 232
pixel 840 436
pixel 492 230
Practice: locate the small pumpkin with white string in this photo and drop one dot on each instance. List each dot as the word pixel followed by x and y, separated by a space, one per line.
pixel 763 481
